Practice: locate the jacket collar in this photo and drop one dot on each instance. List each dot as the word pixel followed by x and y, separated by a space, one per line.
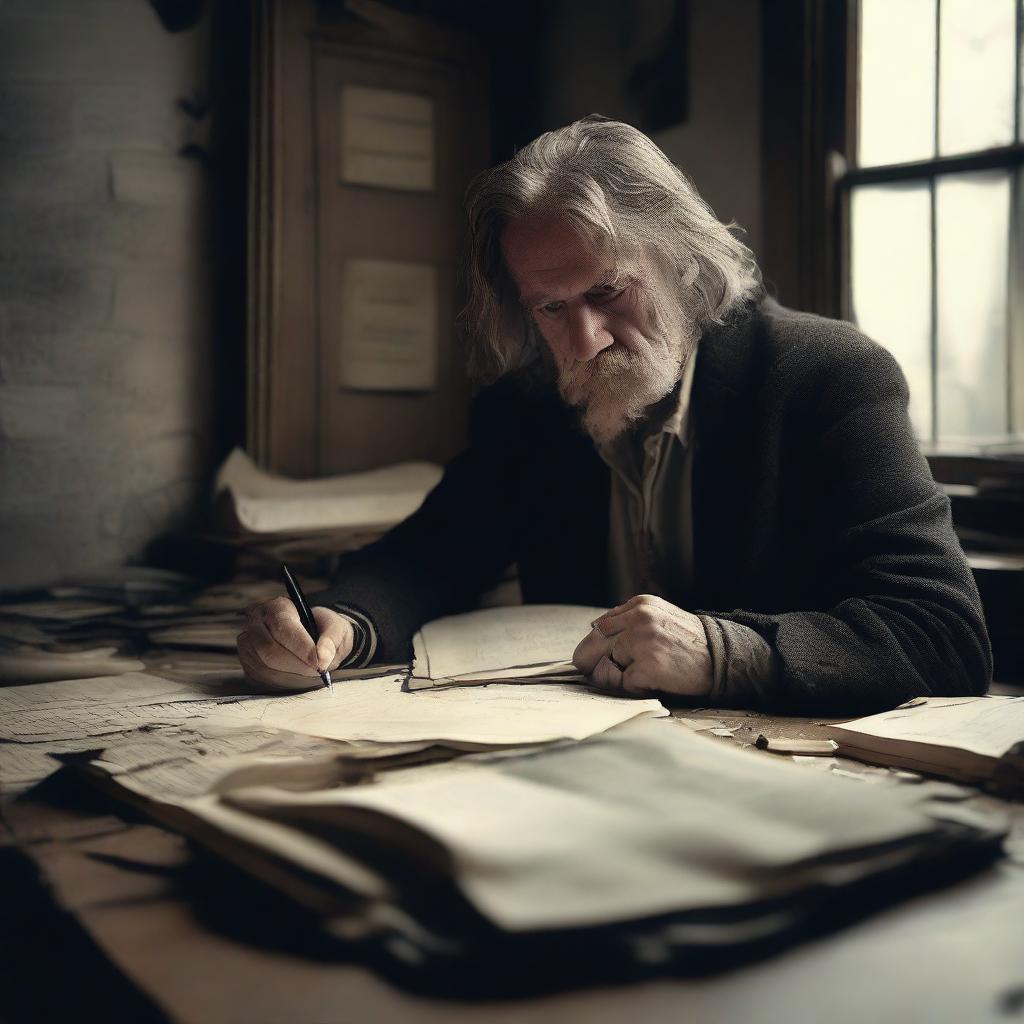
pixel 726 364
pixel 725 382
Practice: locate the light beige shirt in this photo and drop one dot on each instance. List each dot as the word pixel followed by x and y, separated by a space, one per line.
pixel 650 527
pixel 650 539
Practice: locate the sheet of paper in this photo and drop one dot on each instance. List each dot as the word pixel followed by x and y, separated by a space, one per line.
pixel 76 708
pixel 207 666
pixel 267 503
pixel 497 715
pixel 988 726
pixel 562 672
pixel 21 631
pixel 498 639
pixel 540 841
pixel 39 666
pixel 202 757
pixel 69 610
pixel 212 636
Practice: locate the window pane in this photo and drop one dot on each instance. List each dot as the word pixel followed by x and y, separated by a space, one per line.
pixel 972 218
pixel 976 74
pixel 897 81
pixel 890 284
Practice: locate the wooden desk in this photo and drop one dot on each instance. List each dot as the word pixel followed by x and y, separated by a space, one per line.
pixel 133 892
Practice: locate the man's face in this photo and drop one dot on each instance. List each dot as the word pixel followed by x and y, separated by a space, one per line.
pixel 614 356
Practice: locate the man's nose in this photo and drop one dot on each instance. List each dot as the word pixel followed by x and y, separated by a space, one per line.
pixel 588 334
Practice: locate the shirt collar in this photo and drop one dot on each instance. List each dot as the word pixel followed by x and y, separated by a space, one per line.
pixel 670 416
pixel 677 419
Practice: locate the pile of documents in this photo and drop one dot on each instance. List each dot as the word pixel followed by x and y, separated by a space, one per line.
pixel 282 518
pixel 644 848
pixel 459 825
pixel 77 632
pixel 91 625
pixel 979 740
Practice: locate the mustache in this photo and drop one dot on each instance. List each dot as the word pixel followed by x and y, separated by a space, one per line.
pixel 611 371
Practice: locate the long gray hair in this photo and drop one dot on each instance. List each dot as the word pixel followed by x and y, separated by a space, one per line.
pixel 614 184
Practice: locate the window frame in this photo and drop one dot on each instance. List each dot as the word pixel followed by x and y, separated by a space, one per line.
pixel 844 175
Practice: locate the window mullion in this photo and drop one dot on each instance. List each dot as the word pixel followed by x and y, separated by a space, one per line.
pixel 934 272
pixel 1015 310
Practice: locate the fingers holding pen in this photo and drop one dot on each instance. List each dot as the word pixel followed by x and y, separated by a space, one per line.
pixel 279 621
pixel 272 654
pixel 250 643
pixel 336 638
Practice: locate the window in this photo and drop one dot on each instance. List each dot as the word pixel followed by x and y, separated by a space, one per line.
pixel 935 213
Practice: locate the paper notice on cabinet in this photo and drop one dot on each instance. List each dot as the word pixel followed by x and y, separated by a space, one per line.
pixel 387 138
pixel 389 326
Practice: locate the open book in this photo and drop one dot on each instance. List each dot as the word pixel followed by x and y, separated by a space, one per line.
pixel 521 643
pixel 971 739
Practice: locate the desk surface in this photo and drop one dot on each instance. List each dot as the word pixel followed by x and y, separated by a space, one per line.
pixel 956 955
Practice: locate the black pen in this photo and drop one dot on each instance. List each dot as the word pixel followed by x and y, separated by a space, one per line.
pixel 299 600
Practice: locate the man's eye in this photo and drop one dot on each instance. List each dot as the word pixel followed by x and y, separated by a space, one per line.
pixel 605 292
pixel 551 308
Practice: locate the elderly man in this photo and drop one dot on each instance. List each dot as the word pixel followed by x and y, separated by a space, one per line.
pixel 739 480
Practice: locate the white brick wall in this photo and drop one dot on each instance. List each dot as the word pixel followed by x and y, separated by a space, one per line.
pixel 105 340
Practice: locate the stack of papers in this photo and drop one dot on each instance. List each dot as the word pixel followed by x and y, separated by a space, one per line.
pixel 971 739
pixel 25 664
pixel 524 643
pixel 128 584
pixel 266 503
pixel 647 847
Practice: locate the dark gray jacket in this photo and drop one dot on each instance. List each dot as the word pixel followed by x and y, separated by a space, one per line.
pixel 816 521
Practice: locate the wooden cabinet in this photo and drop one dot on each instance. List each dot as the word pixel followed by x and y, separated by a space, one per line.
pixel 308 224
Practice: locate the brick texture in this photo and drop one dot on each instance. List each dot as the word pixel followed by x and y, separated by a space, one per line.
pixel 106 403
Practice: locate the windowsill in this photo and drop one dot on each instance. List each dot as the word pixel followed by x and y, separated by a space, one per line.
pixel 1010 450
pixel 968 464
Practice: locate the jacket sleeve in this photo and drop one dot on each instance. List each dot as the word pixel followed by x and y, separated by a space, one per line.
pixel 455 546
pixel 900 614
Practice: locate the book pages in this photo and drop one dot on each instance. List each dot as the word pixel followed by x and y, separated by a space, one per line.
pixel 522 642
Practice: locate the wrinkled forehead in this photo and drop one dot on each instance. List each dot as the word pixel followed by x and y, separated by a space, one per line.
pixel 544 251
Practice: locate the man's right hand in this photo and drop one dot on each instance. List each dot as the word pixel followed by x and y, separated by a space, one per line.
pixel 276 651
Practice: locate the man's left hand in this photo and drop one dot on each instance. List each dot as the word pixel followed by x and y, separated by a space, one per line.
pixel 647 645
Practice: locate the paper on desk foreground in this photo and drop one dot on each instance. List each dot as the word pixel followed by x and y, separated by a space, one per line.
pixel 679 841
pixel 971 739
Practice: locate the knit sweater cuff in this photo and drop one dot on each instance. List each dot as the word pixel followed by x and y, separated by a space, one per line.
pixel 364 633
pixel 743 663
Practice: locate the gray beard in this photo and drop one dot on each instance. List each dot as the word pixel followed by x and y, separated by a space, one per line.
pixel 614 391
